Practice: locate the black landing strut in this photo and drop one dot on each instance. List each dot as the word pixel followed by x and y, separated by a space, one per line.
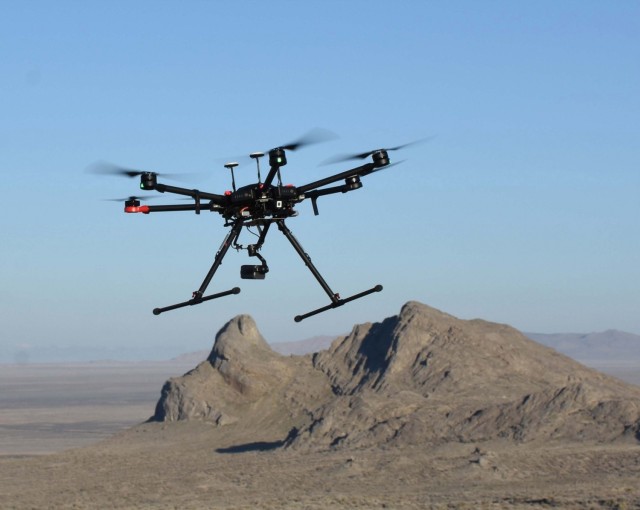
pixel 198 297
pixel 336 301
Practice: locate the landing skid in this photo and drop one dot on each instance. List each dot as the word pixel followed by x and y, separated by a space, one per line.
pixel 196 301
pixel 337 303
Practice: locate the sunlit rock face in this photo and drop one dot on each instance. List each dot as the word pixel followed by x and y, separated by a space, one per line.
pixel 422 376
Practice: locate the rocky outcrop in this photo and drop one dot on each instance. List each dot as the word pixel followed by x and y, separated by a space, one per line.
pixel 243 380
pixel 421 376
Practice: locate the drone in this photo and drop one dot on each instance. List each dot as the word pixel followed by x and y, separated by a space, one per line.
pixel 260 205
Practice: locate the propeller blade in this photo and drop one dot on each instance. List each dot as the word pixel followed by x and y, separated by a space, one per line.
pixel 340 158
pixel 105 168
pixel 316 135
pixel 415 142
pixel 388 166
pixel 148 197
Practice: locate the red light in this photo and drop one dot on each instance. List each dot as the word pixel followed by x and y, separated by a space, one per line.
pixel 137 209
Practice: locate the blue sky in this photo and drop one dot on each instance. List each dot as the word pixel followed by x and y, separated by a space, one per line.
pixel 523 209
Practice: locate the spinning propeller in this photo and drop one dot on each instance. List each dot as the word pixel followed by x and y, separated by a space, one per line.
pixel 363 155
pixel 130 199
pixel 386 167
pixel 316 135
pixel 104 168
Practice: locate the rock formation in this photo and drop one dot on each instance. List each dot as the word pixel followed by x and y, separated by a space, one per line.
pixel 243 382
pixel 421 376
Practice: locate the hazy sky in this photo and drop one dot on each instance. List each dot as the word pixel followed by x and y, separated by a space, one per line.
pixel 524 208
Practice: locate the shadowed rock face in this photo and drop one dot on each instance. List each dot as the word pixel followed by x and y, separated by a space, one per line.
pixel 420 376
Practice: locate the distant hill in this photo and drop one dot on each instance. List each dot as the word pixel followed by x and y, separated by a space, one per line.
pixel 420 377
pixel 194 357
pixel 609 346
pixel 301 347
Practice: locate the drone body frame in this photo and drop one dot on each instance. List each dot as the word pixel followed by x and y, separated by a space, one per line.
pixel 259 205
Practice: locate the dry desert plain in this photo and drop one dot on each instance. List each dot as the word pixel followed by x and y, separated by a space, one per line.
pixel 73 436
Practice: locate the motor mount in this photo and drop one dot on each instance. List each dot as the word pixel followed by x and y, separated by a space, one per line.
pixel 277 157
pixel 148 180
pixel 380 158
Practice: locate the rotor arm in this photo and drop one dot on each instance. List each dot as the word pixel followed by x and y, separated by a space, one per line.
pixel 193 193
pixel 359 171
pixel 146 209
pixel 271 175
pixel 149 181
pixel 351 183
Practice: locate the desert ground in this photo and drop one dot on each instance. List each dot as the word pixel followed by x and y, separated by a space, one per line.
pixel 48 408
pixel 188 465
pixel 399 414
pixel 76 436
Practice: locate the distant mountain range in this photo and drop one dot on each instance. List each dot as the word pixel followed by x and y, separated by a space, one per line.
pixel 611 346
pixel 313 344
pixel 604 347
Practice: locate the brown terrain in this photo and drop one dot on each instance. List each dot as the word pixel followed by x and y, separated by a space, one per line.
pixel 421 410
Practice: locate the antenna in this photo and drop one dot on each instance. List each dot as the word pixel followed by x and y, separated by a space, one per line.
pixel 257 156
pixel 231 166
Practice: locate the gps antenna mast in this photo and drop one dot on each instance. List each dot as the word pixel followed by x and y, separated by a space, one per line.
pixel 257 156
pixel 231 166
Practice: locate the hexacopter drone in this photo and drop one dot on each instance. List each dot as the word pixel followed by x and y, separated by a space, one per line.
pixel 260 205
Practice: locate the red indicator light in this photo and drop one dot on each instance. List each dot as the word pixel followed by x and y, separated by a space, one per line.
pixel 137 209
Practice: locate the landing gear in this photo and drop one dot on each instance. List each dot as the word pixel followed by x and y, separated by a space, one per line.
pixel 258 272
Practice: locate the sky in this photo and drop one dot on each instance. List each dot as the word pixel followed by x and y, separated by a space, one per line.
pixel 524 207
